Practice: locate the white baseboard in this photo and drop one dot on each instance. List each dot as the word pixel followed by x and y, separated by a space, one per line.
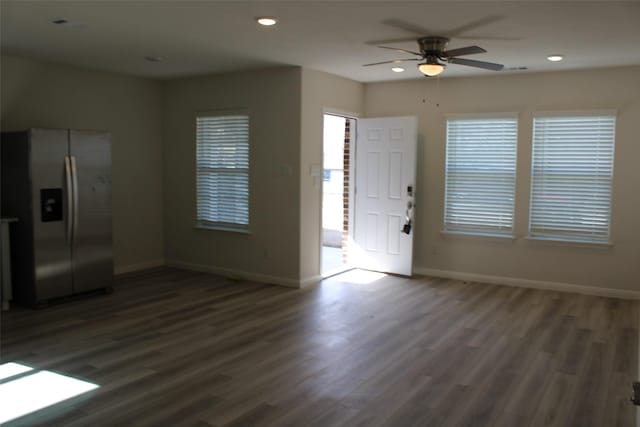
pixel 124 269
pixel 237 274
pixel 527 283
pixel 311 280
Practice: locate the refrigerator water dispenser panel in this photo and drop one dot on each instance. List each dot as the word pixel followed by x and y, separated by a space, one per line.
pixel 51 204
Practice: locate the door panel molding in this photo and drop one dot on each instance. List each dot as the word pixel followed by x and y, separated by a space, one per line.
pixel 386 151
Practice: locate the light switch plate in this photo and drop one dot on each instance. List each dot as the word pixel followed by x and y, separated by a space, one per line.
pixel 285 170
pixel 315 170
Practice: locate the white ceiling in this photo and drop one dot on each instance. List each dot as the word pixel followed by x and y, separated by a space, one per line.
pixel 333 36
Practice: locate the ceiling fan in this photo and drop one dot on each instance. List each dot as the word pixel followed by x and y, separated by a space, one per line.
pixel 432 51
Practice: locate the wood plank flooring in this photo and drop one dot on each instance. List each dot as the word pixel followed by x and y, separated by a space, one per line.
pixel 177 348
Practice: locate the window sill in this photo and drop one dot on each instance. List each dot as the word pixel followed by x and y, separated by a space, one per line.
pixel 555 241
pixel 221 227
pixel 477 234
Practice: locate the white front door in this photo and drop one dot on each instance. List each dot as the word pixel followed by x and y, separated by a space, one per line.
pixel 385 189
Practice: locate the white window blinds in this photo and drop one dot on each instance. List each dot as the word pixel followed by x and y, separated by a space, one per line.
pixel 572 173
pixel 480 175
pixel 223 171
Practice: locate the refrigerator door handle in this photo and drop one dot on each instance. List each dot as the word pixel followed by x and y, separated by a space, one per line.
pixel 69 197
pixel 74 175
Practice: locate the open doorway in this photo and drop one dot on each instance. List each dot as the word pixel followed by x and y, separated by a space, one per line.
pixel 336 193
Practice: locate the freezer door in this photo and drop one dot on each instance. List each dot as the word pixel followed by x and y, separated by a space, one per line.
pixel 92 251
pixel 50 213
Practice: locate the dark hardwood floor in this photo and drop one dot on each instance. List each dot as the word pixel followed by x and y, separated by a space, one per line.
pixel 177 348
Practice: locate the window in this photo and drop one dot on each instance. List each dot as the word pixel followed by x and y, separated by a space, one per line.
pixel 223 171
pixel 480 175
pixel 572 174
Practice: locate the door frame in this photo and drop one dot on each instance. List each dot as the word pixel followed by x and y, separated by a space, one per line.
pixel 352 156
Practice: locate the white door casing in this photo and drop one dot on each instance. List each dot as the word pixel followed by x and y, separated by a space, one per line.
pixel 385 188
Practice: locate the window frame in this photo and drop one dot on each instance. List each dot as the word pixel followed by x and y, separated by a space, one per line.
pixel 504 233
pixel 569 239
pixel 220 225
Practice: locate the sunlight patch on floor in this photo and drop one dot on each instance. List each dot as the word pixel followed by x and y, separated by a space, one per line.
pixel 360 277
pixel 29 393
pixel 12 369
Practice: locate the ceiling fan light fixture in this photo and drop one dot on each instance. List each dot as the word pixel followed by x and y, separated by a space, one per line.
pixel 431 68
pixel 267 21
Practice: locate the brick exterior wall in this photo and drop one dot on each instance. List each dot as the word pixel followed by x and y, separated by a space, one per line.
pixel 345 191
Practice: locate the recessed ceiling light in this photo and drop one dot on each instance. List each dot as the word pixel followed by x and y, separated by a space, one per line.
pixel 555 58
pixel 267 21
pixel 397 69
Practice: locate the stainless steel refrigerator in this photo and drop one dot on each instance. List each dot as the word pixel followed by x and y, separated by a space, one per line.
pixel 57 183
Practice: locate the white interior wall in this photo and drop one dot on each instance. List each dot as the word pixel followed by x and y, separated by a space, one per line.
pixel 533 262
pixel 286 107
pixel 38 94
pixel 270 251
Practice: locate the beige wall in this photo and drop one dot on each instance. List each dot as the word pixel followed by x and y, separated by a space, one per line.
pixel 36 94
pixel 617 267
pixel 321 92
pixel 286 106
pixel 270 252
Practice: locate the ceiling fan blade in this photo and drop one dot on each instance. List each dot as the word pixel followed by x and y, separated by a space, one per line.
pixel 477 64
pixel 469 50
pixel 395 61
pixel 487 38
pixel 387 41
pixel 407 26
pixel 401 50
pixel 454 32
pixel 413 39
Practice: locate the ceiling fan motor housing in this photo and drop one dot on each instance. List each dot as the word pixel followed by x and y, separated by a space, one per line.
pixel 433 46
